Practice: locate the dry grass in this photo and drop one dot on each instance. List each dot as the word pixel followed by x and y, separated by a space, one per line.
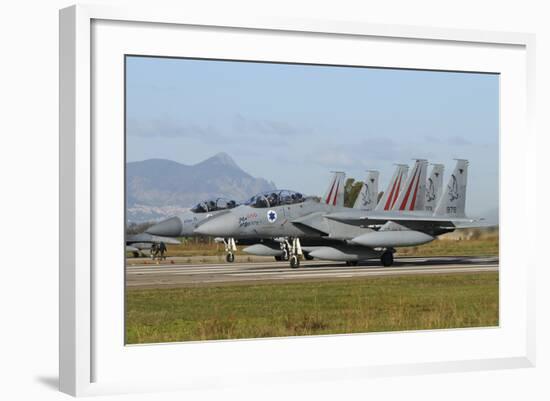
pixel 479 242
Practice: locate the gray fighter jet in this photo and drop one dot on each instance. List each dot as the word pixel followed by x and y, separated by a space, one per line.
pixel 338 233
pixel 185 224
pixel 282 215
pixel 286 225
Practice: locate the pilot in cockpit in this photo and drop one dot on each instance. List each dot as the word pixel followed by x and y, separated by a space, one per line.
pixel 273 199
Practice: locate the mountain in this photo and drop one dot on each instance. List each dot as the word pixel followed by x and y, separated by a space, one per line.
pixel 157 188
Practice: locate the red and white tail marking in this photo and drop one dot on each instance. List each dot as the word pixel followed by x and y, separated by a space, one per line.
pixel 330 193
pixel 413 196
pixel 397 191
pixel 335 192
pixel 394 187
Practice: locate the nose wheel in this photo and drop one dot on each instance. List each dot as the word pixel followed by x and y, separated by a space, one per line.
pixel 294 262
pixel 295 253
pixel 230 257
pixel 285 256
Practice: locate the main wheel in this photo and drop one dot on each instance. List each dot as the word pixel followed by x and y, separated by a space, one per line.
pixel 278 258
pixel 387 259
pixel 230 257
pixel 306 255
pixel 294 261
pixel 352 263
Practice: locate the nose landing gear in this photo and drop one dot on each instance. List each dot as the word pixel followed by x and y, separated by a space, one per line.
pixel 295 252
pixel 285 256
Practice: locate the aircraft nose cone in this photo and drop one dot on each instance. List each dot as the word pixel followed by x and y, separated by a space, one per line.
pixel 167 228
pixel 225 225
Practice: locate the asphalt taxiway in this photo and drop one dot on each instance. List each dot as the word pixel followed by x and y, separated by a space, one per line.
pixel 173 275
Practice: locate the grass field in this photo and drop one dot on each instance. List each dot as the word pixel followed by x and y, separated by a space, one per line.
pixel 295 309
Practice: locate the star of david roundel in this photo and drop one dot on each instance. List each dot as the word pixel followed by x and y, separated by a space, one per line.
pixel 271 216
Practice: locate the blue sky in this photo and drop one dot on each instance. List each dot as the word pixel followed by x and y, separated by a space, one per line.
pixel 293 124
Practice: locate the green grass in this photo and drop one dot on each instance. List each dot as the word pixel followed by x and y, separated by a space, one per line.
pixel 295 309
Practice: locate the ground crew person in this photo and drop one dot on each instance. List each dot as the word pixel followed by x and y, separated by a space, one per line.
pixel 162 249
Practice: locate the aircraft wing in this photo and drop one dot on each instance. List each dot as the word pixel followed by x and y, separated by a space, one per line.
pixel 374 219
pixel 313 221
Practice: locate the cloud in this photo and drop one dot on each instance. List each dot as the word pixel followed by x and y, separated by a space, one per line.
pixel 167 128
pixel 432 139
pixel 240 131
pixel 459 141
pixel 246 127
pixel 364 154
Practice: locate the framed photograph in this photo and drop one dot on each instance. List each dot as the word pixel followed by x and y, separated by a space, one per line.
pixel 251 201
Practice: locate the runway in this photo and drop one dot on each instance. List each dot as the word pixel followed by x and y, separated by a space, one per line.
pixel 172 275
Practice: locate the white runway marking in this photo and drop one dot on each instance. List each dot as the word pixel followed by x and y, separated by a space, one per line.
pixel 164 275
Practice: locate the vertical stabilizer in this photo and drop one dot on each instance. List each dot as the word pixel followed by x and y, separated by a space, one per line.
pixel 453 200
pixel 394 187
pixel 434 187
pixel 335 191
pixel 368 196
pixel 413 195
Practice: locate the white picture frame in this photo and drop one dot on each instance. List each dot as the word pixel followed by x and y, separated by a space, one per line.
pixel 93 360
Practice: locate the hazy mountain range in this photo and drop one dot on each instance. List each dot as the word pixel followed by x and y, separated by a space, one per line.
pixel 158 188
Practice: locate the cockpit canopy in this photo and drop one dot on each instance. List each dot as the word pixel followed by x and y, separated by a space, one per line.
pixel 213 205
pixel 275 198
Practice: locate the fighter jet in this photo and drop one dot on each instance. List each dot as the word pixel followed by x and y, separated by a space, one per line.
pixel 301 226
pixel 366 200
pixel 338 233
pixel 281 214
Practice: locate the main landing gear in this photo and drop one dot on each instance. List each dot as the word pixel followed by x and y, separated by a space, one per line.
pixel 387 258
pixel 295 252
pixel 230 249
